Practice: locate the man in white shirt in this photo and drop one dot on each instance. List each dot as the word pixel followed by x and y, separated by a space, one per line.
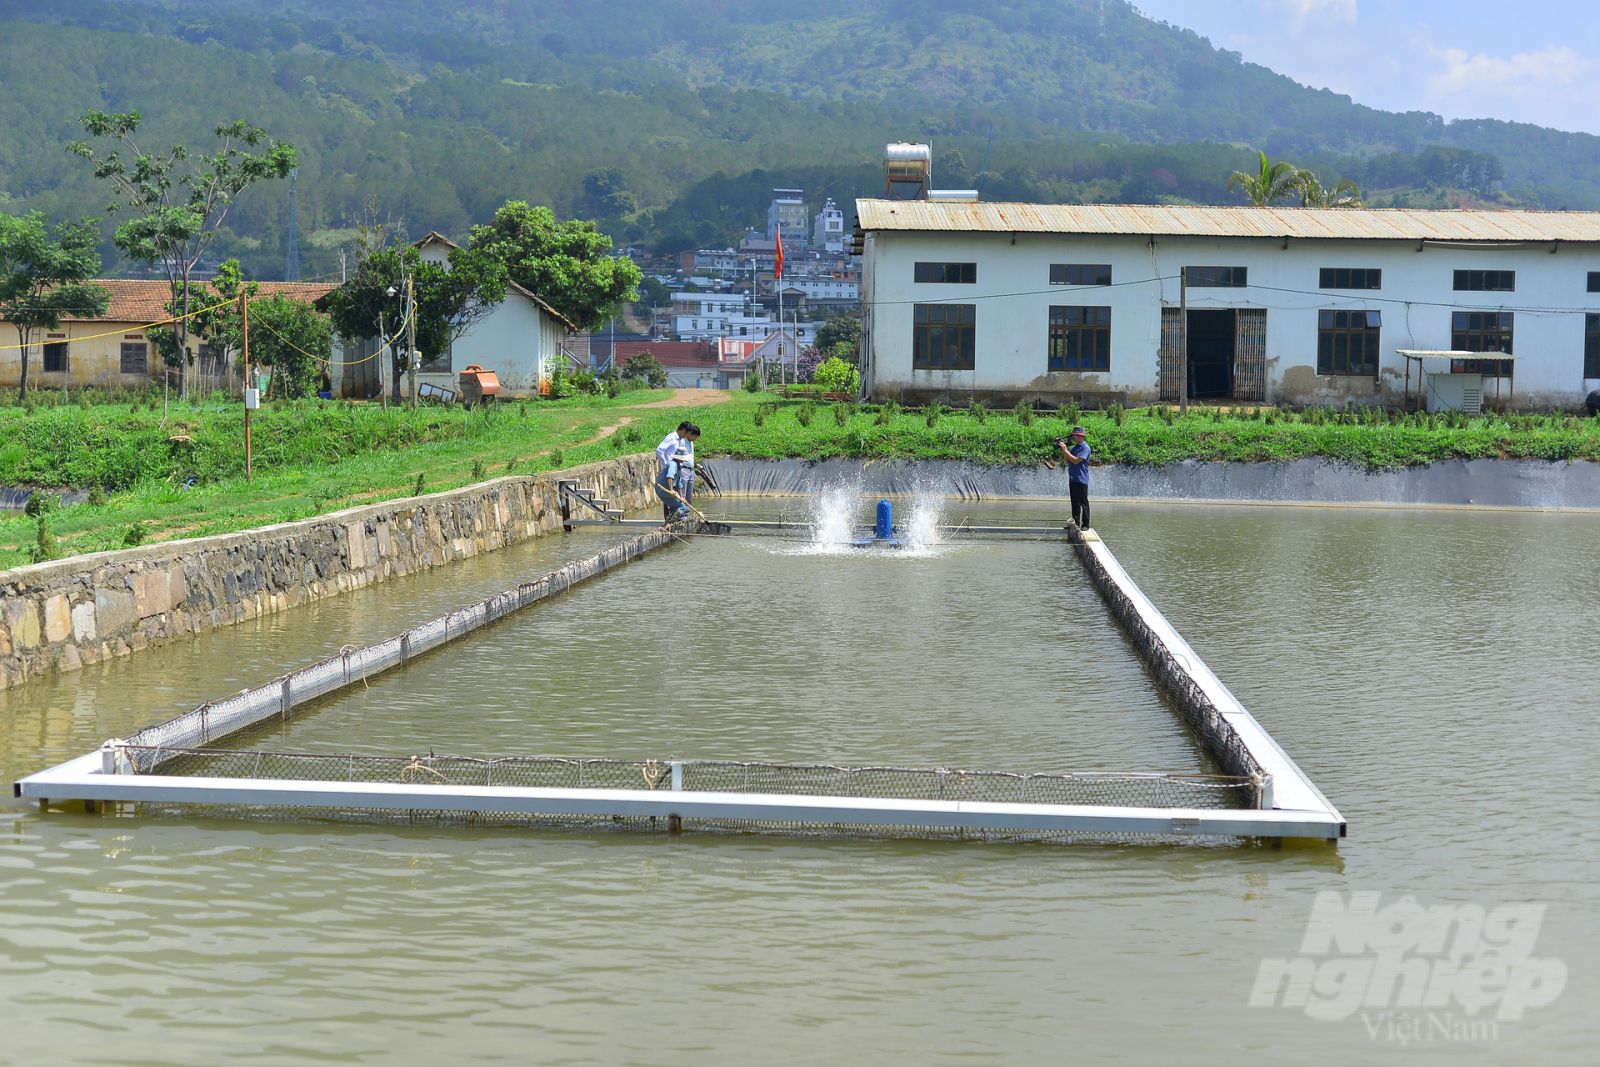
pixel 676 470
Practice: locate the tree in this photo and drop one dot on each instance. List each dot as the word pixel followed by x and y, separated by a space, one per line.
pixel 653 292
pixel 1344 193
pixel 644 365
pixel 449 298
pixel 218 319
pixel 46 272
pixel 1271 183
pixel 840 330
pixel 568 264
pixel 291 337
pixel 179 200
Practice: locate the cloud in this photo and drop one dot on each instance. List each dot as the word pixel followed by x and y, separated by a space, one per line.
pixel 1522 73
pixel 1322 11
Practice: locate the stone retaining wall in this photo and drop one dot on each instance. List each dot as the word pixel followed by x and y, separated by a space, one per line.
pixel 60 615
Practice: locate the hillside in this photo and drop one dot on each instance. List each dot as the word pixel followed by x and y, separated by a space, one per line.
pixel 682 114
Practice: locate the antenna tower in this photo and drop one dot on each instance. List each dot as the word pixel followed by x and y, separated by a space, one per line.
pixel 291 268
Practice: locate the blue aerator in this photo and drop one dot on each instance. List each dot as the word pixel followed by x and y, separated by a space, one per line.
pixel 883 531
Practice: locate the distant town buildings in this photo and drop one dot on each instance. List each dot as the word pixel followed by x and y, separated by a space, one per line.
pixel 827 234
pixel 787 213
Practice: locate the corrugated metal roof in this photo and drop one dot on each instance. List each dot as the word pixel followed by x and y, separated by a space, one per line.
pixel 1161 220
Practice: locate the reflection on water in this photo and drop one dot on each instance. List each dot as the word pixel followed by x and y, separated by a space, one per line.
pixel 1431 671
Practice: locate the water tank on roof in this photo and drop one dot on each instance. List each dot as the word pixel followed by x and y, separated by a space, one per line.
pixel 906 170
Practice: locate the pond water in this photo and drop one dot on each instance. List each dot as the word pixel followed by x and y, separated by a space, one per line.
pixel 1431 671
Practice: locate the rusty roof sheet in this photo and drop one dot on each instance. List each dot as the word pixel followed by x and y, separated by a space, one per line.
pixel 1162 220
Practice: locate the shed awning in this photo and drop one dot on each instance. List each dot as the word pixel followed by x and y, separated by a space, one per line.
pixel 1437 353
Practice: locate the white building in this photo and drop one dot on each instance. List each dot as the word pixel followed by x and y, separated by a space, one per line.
pixel 1291 305
pixel 712 316
pixel 825 289
pixel 828 232
pixel 519 337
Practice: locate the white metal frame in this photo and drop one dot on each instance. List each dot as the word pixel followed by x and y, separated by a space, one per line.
pixel 1291 806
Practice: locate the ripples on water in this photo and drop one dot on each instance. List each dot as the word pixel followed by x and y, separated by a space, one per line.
pixel 1432 671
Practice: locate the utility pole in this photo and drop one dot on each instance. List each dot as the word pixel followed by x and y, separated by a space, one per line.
pixel 249 393
pixel 411 339
pixel 1183 337
pixel 384 358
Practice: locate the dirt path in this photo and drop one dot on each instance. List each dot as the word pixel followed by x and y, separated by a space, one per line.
pixel 689 398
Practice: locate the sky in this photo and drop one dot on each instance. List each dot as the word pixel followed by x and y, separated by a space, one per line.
pixel 1524 61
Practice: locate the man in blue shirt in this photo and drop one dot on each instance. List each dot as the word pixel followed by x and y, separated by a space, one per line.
pixel 1077 454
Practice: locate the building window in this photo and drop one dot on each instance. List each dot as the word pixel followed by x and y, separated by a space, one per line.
pixel 1347 342
pixel 1481 331
pixel 942 336
pixel 948 273
pixel 56 357
pixel 1350 278
pixel 1080 338
pixel 1485 281
pixel 1217 277
pixel 1594 281
pixel 1080 274
pixel 135 357
pixel 1591 346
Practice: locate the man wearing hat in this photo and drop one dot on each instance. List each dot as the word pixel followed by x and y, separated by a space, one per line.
pixel 1077 453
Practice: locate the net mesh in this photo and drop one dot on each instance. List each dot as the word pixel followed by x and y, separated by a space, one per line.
pixel 1154 790
pixel 445 819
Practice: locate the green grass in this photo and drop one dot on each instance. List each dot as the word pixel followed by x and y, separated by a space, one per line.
pixel 183 475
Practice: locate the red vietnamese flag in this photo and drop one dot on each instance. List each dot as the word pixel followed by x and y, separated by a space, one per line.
pixel 778 271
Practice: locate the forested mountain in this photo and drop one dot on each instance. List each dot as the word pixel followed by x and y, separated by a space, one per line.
pixel 671 120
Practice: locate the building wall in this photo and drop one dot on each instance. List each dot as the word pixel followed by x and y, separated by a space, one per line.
pixel 96 361
pixel 511 342
pixel 1013 297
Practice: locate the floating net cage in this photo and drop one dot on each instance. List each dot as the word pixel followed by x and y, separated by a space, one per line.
pixel 199 763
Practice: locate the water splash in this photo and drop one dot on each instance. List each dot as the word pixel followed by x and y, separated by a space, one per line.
pixel 843 514
pixel 833 514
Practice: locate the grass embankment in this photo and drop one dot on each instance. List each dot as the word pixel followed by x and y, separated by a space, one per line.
pixel 182 474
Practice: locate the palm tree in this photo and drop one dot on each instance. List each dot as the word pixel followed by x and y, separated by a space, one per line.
pixel 1275 181
pixel 1344 193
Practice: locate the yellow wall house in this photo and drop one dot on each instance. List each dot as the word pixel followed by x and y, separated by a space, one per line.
pixel 112 351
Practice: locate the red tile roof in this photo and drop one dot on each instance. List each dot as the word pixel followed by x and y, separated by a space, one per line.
pixel 141 301
pixel 667 353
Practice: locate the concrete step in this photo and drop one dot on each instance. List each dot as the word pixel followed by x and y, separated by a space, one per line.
pixel 600 502
pixel 613 513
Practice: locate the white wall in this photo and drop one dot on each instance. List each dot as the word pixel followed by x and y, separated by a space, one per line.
pixel 511 342
pixel 1013 297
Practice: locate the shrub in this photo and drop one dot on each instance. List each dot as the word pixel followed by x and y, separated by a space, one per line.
pixel 97 496
pixel 752 380
pixel 44 545
pixel 931 412
pixel 40 504
pixel 841 414
pixel 837 376
pixel 886 413
pixel 646 367
pixel 557 458
pixel 416 490
pixel 978 411
pixel 1115 413
pixel 1024 413
pixel 802 414
pixel 136 534
pixel 478 473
